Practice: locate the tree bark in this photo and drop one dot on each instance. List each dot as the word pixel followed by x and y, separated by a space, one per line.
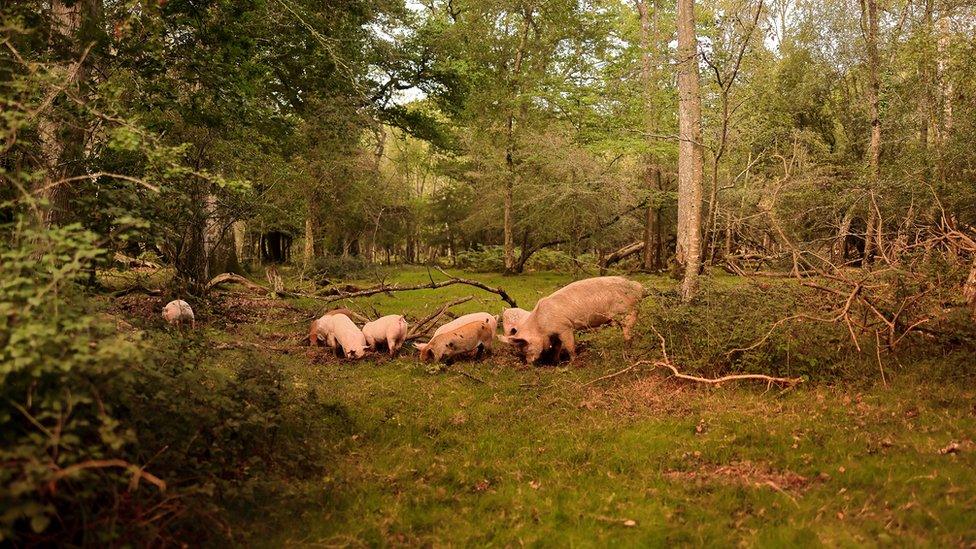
pixel 690 159
pixel 308 251
pixel 62 143
pixel 508 228
pixel 945 82
pixel 869 27
pixel 652 172
pixel 837 252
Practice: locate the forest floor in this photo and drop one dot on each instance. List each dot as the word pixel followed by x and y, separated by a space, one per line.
pixel 495 452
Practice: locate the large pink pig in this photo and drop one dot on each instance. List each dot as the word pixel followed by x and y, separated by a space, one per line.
pixel 587 303
pixel 389 331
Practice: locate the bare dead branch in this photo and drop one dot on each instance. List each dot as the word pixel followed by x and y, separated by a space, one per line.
pixel 423 326
pixel 137 473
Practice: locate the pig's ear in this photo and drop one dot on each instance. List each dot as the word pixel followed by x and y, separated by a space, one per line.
pixel 420 346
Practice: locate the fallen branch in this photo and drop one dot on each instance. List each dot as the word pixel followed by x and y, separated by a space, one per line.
pixel 237 279
pixel 137 473
pixel 623 253
pixel 390 288
pixel 501 293
pixel 134 262
pixel 225 278
pixel 421 328
pixel 666 363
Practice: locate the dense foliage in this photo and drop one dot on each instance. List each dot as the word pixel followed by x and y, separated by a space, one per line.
pixel 491 135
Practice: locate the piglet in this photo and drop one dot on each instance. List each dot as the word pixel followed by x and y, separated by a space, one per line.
pixel 511 318
pixel 467 319
pixel 347 336
pixel 321 327
pixel 389 331
pixel 178 313
pixel 465 341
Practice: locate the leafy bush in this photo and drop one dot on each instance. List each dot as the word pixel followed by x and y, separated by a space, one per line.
pixel 337 266
pixel 109 439
pixel 713 335
pixel 482 259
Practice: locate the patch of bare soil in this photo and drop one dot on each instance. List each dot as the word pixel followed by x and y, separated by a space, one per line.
pixel 745 473
pixel 237 309
pixel 137 308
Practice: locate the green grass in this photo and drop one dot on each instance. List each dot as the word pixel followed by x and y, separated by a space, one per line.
pixel 525 455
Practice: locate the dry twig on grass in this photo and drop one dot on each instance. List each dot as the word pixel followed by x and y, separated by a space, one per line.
pixel 665 362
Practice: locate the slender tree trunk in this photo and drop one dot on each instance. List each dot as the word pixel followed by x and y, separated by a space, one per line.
pixel 925 77
pixel 510 262
pixel 837 252
pixel 969 290
pixel 945 82
pixel 308 252
pixel 648 41
pixel 869 26
pixel 690 160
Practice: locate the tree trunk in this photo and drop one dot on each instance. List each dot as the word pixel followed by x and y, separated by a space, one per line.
pixel 652 172
pixel 837 252
pixel 945 82
pixel 869 27
pixel 925 77
pixel 308 251
pixel 690 160
pixel 969 290
pixel 510 264
pixel 62 141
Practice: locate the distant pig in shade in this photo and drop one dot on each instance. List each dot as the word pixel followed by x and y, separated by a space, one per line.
pixel 348 336
pixel 511 318
pixel 178 313
pixel 389 332
pixel 549 329
pixel 466 341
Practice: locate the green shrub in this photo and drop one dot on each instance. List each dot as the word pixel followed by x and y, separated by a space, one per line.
pixel 339 267
pixel 706 336
pixel 86 411
pixel 482 259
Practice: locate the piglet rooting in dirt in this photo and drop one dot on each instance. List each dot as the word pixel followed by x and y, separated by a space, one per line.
pixel 179 313
pixel 347 336
pixel 389 331
pixel 466 341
